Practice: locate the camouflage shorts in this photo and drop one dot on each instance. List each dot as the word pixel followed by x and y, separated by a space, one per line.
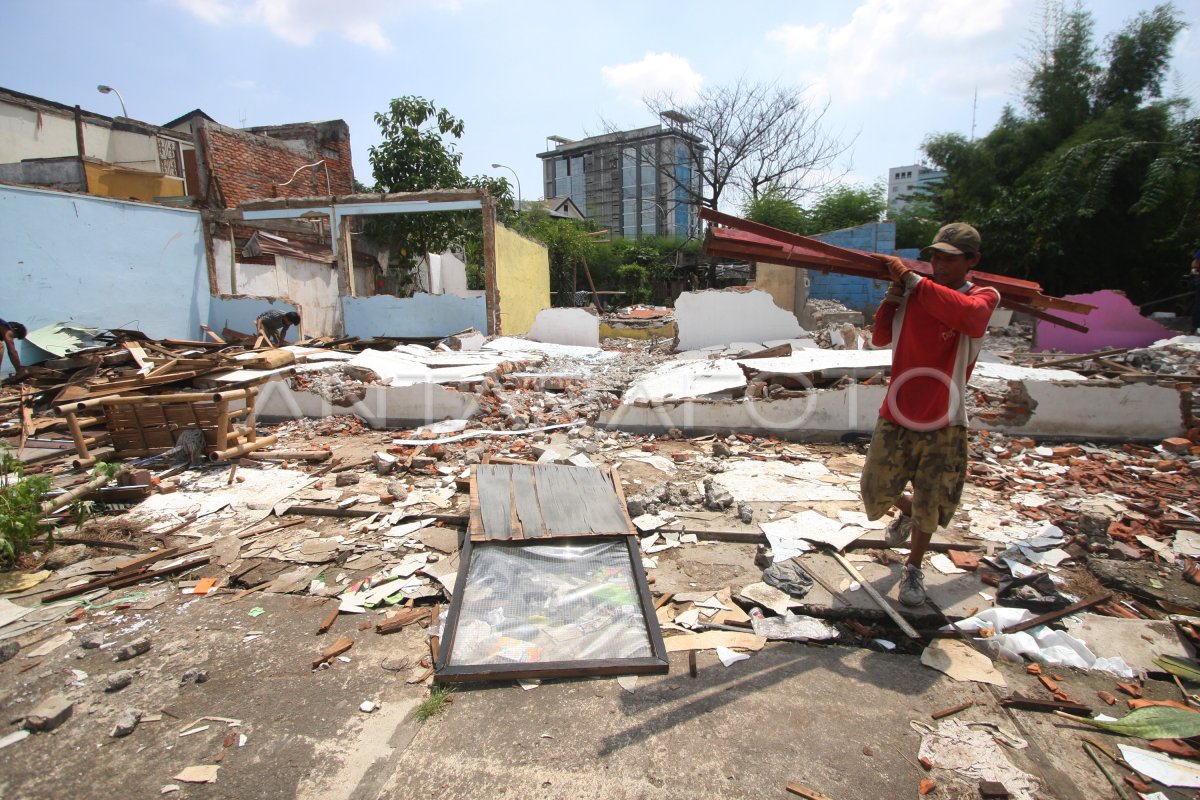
pixel 935 462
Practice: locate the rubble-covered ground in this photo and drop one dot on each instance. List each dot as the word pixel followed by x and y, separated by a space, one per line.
pixel 236 675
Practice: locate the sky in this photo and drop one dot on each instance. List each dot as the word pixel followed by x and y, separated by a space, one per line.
pixel 891 72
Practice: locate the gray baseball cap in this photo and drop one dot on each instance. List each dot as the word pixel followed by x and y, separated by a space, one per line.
pixel 957 238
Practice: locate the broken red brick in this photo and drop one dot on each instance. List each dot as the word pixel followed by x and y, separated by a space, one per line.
pixel 927 786
pixel 1176 444
pixel 964 560
pixel 1131 689
pixel 1107 697
pixel 1034 669
pixel 1137 785
pixel 1175 747
pixel 925 762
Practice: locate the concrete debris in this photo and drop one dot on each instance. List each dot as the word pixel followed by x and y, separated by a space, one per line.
pixel 723 454
pixel 127 720
pixel 133 649
pixel 49 714
pixel 117 681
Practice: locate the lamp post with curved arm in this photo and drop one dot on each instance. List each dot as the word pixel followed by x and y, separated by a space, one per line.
pixel 516 177
pixel 102 89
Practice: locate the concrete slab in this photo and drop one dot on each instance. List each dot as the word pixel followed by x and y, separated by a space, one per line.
pixel 572 326
pixel 720 317
pixel 1138 641
pixel 956 595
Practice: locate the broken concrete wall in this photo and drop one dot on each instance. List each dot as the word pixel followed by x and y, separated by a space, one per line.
pixel 309 285
pixel 1116 322
pixel 787 286
pixel 379 407
pixel 1118 412
pixel 522 280
pixel 717 318
pixel 445 273
pixel 102 263
pixel 572 326
pixel 417 316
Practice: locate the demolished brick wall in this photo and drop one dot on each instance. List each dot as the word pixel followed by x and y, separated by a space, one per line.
pixel 246 165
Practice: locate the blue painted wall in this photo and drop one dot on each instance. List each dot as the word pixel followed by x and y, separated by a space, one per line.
pixel 860 294
pixel 101 263
pixel 420 315
pixel 239 313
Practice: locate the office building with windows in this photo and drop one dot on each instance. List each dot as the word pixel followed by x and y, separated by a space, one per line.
pixel 641 182
pixel 904 183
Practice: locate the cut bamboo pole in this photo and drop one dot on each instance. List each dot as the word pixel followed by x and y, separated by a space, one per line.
pixel 50 506
pixel 241 449
pixel 900 621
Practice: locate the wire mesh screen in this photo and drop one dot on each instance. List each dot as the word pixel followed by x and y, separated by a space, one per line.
pixel 569 601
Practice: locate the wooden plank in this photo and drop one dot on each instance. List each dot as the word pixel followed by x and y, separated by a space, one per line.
pixel 401 619
pixel 527 504
pixel 615 478
pixel 139 355
pixel 561 512
pixel 333 651
pixel 1050 616
pixel 492 483
pixel 606 514
pixel 800 790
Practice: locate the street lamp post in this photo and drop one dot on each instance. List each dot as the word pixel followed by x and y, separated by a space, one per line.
pixel 102 89
pixel 515 176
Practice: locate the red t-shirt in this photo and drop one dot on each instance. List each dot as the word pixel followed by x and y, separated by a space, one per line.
pixel 936 333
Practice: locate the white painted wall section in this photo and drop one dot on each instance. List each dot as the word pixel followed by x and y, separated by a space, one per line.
pixel 712 317
pixel 572 326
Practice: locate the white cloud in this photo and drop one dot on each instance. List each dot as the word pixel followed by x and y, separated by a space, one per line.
pixel 212 11
pixel 656 73
pixel 300 22
pixel 895 47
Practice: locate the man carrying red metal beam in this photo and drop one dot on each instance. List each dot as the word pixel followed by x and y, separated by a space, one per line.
pixel 936 327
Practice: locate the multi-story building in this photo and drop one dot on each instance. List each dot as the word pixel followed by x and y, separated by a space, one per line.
pixel 906 182
pixel 635 183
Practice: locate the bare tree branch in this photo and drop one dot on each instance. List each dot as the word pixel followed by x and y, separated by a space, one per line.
pixel 751 136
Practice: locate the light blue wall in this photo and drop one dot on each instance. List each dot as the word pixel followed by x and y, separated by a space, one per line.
pixel 419 315
pixel 860 294
pixel 239 313
pixel 101 263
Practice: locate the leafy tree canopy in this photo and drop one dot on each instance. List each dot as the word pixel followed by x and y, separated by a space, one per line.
pixel 1096 183
pixel 418 152
pixel 843 206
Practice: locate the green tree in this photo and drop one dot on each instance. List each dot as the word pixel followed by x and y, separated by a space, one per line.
pixel 1096 184
pixel 418 152
pixel 845 206
pixel 773 208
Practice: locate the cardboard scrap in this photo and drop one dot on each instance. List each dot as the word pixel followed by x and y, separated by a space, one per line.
pixel 961 662
pixel 711 640
pixel 204 773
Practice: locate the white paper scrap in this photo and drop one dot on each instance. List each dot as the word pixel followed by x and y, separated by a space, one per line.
pixel 729 657
pixel 1162 767
pixel 942 563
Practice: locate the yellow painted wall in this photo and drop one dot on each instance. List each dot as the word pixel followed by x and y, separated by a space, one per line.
pixel 666 331
pixel 779 282
pixel 522 280
pixel 130 184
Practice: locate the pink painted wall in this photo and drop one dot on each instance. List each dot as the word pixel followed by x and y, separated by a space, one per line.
pixel 1115 323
